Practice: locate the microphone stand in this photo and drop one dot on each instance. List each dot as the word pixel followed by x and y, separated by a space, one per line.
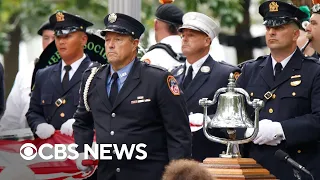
pixel 296 174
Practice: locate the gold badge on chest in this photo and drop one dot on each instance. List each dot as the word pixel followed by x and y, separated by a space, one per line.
pixel 295 80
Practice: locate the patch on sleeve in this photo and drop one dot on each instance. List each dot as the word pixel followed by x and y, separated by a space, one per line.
pixel 173 85
pixel 147 61
pixel 236 75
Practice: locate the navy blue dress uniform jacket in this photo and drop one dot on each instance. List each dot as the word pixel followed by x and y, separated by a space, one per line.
pixel 295 104
pixel 205 85
pixel 161 122
pixel 47 89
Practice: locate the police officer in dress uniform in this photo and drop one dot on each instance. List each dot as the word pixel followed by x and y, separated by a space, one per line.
pixel 200 77
pixel 129 102
pixel 168 20
pixel 313 29
pixel 289 84
pixel 18 100
pixel 56 91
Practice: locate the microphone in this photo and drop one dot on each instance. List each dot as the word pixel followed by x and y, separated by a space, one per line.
pixel 286 158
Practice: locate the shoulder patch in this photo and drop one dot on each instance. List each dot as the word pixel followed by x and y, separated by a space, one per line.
pixel 173 85
pixel 147 61
pixel 236 75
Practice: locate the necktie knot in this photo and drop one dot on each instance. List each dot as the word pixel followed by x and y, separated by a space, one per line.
pixel 67 68
pixel 114 76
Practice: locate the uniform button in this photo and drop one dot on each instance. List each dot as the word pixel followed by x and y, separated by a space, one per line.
pixel 294 94
pixel 43 101
pixel 118 169
pixel 113 114
pixel 251 94
pixel 64 101
pixel 273 96
pixel 62 114
pixel 112 133
pixel 299 151
pixel 270 110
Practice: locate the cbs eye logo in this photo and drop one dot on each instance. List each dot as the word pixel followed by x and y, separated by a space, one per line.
pixel 28 151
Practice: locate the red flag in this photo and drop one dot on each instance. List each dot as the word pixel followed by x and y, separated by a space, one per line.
pixel 43 169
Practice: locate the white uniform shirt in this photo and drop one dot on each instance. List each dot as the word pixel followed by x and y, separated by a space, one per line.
pixel 160 56
pixel 18 101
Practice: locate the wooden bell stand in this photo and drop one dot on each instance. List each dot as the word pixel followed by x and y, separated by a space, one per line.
pixel 236 169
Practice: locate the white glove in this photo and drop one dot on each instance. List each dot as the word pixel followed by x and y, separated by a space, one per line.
pixel 248 132
pixel 270 133
pixel 79 164
pixel 45 130
pixel 196 119
pixel 66 127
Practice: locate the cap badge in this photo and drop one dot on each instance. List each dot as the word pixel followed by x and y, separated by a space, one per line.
pixel 112 18
pixel 273 7
pixel 60 16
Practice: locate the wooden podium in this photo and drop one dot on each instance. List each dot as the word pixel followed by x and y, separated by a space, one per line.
pixel 236 169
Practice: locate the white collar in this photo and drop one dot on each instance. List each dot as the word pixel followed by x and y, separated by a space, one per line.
pixel 284 62
pixel 74 65
pixel 196 66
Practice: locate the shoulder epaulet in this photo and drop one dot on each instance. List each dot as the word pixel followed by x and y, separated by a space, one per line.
pixel 94 64
pixel 310 58
pixel 177 67
pixel 252 60
pixel 155 66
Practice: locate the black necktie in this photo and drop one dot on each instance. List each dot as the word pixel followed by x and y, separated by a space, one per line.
pixel 114 88
pixel 65 80
pixel 278 69
pixel 188 78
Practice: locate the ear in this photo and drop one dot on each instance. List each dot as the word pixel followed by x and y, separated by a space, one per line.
pixel 156 24
pixel 296 34
pixel 207 41
pixel 84 39
pixel 135 43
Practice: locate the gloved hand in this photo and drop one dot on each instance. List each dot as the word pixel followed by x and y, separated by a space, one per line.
pixel 79 164
pixel 248 132
pixel 270 133
pixel 45 130
pixel 66 127
pixel 196 121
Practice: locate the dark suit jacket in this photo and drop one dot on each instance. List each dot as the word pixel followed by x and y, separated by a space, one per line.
pixel 161 122
pixel 296 105
pixel 204 85
pixel 47 89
